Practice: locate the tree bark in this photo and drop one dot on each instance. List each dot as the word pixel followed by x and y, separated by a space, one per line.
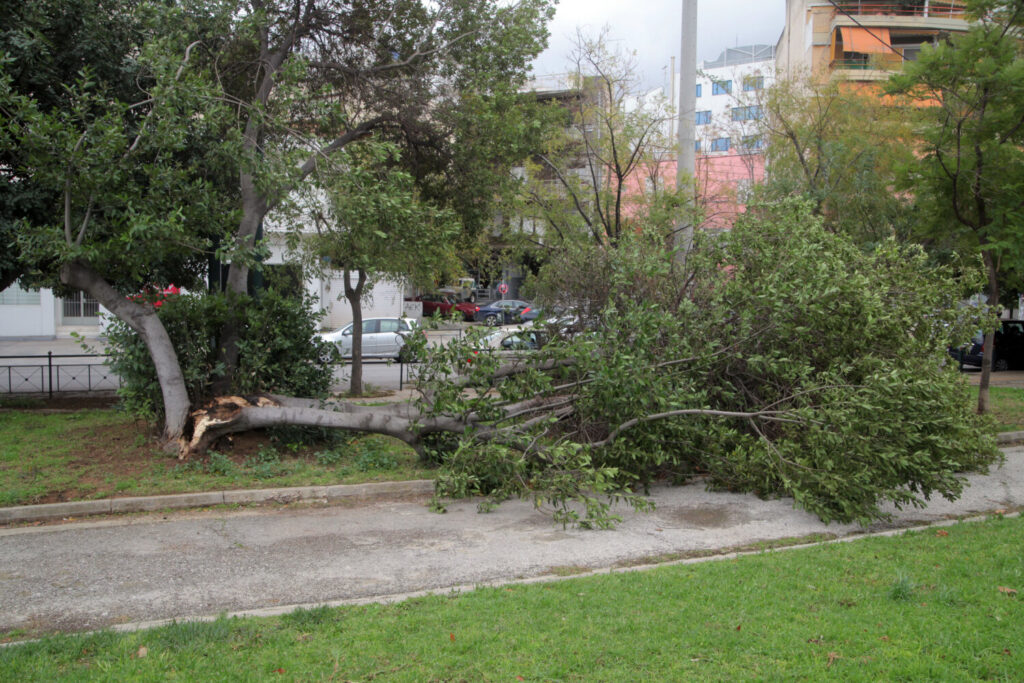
pixel 355 298
pixel 990 337
pixel 143 319
pixel 229 414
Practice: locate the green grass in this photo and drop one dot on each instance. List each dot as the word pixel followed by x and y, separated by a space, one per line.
pixel 931 605
pixel 1006 405
pixel 99 453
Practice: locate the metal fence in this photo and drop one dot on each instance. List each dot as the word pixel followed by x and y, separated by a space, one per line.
pixel 56 373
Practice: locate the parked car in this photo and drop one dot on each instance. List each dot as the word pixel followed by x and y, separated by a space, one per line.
pixel 514 339
pixel 1009 348
pixel 444 304
pixel 501 312
pixel 382 337
pixel 511 341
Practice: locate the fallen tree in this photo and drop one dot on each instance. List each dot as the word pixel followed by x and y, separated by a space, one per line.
pixel 805 368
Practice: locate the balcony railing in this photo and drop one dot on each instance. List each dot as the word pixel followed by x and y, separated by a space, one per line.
pixel 926 8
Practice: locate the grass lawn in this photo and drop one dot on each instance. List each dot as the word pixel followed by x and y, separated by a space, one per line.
pixel 940 604
pixel 90 454
pixel 1006 405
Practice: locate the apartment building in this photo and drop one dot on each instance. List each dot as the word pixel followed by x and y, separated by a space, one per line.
pixel 730 156
pixel 861 40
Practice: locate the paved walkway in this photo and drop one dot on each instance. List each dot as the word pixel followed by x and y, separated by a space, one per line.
pixel 194 564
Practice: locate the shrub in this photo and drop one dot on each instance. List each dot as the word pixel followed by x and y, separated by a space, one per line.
pixel 279 350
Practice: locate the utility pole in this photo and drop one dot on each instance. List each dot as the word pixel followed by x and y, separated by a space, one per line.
pixel 686 168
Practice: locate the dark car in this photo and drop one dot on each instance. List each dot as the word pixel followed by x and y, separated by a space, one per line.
pixel 502 312
pixel 1009 348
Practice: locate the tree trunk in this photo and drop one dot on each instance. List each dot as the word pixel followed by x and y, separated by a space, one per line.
pixel 990 337
pixel 229 414
pixel 254 208
pixel 355 298
pixel 143 319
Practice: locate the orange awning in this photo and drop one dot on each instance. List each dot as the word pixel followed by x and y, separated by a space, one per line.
pixel 865 40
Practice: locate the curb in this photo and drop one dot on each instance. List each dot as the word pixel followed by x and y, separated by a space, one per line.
pixel 357 493
pixel 1007 438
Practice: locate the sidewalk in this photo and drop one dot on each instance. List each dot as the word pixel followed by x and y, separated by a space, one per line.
pixel 140 569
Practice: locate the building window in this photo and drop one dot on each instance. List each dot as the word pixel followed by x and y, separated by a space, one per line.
pixel 721 87
pixel 720 145
pixel 751 143
pixel 698 90
pixel 696 145
pixel 703 118
pixel 753 83
pixel 16 296
pixel 750 113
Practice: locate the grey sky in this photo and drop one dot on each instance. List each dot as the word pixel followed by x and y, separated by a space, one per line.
pixel 651 29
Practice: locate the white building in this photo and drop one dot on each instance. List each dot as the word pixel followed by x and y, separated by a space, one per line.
pixel 41 315
pixel 729 91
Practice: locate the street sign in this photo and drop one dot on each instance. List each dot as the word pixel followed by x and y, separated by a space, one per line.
pixel 503 289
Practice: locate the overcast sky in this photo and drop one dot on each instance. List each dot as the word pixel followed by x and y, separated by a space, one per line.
pixel 652 27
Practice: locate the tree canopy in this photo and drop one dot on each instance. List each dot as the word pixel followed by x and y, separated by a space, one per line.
pixel 969 182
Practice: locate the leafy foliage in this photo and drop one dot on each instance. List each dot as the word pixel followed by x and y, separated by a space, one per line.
pixel 599 171
pixel 843 148
pixel 783 361
pixel 970 178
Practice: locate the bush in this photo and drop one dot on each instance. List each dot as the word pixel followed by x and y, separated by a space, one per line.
pixel 279 349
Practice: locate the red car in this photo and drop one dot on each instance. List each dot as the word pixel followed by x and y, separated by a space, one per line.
pixel 443 305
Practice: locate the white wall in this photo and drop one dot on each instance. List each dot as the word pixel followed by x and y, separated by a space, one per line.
pixel 30 320
pixel 384 301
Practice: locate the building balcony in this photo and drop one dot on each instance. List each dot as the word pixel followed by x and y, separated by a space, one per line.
pixel 923 9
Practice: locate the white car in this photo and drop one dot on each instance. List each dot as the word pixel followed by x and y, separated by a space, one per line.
pixel 382 337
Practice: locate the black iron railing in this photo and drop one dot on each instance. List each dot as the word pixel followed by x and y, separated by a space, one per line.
pixel 52 373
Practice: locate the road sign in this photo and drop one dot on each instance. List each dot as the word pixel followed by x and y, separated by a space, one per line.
pixel 503 289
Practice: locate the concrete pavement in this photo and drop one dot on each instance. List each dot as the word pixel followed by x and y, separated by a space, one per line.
pixel 200 563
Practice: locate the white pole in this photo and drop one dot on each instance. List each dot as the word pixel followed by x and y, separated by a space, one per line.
pixel 686 168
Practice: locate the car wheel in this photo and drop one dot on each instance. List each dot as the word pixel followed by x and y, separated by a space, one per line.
pixel 1000 365
pixel 491 320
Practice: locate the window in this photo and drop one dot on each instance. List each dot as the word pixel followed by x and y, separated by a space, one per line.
pixel 721 87
pixel 696 145
pixel 698 89
pixel 371 326
pixel 703 118
pixel 753 83
pixel 750 113
pixel 389 325
pixel 720 145
pixel 751 142
pixel 16 296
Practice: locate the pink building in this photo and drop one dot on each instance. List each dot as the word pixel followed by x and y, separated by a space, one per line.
pixel 723 183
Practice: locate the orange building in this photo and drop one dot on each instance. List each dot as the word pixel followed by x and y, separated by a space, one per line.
pixel 861 40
